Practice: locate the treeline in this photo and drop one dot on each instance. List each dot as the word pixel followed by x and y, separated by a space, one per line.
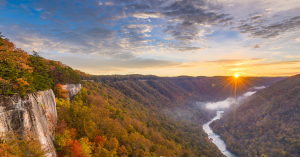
pixel 267 125
pixel 23 73
pixel 120 78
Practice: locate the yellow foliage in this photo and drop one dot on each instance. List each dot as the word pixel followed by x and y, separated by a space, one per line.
pixel 62 140
pixel 60 102
pixel 6 150
pixel 112 144
pixel 86 146
pixel 101 152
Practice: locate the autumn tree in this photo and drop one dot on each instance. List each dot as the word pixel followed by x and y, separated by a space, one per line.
pixel 59 91
pixel 122 151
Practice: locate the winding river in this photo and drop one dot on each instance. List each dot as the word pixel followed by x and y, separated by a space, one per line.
pixel 216 139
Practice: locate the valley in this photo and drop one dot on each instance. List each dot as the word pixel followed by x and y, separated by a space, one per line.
pixel 66 112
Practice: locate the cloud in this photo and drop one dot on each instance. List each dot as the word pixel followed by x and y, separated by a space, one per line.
pixel 277 63
pixel 267 29
pixel 95 27
pixel 292 56
pixel 276 48
pixel 139 28
pixel 237 62
pixel 109 3
pixel 129 29
pixel 256 46
pixel 96 65
pixel 100 32
pixel 191 20
pixel 139 6
pixel 145 15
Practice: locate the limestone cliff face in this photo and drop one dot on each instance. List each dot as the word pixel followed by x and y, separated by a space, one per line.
pixel 73 89
pixel 36 113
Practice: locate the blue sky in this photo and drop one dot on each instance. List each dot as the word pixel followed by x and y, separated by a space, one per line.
pixel 160 37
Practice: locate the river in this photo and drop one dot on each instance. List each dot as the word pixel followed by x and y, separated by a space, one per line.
pixel 216 139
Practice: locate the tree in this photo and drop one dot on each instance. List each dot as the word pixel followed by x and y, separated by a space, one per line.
pixel 122 151
pixel 74 148
pixel 59 91
pixel 101 152
pixel 139 153
pixel 98 140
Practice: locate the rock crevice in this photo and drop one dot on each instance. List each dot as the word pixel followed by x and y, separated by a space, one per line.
pixel 36 113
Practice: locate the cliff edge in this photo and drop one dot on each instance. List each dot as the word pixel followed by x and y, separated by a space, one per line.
pixel 72 89
pixel 36 113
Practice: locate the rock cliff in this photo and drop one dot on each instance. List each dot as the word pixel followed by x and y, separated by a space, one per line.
pixel 36 113
pixel 72 89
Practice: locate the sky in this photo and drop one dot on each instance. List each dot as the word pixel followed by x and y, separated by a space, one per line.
pixel 160 37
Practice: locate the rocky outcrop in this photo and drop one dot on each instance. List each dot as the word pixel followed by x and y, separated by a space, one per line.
pixel 36 113
pixel 72 89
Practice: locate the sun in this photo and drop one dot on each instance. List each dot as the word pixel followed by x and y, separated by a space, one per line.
pixel 236 75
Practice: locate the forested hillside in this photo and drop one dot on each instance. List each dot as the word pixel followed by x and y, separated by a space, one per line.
pixel 183 87
pixel 267 125
pixel 23 73
pixel 105 122
pixel 131 115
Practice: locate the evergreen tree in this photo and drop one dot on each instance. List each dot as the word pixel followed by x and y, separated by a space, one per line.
pixel 41 79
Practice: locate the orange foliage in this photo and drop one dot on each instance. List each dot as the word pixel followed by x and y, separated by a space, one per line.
pixel 59 91
pixel 75 149
pixel 21 82
pixel 73 133
pixel 3 81
pixel 99 140
pixel 14 55
pixel 22 86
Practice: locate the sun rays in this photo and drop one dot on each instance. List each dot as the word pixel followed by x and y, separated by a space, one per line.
pixel 233 86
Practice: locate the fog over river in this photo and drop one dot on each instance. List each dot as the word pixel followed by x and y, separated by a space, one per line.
pixel 216 139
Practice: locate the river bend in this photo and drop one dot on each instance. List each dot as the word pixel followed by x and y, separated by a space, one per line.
pixel 216 139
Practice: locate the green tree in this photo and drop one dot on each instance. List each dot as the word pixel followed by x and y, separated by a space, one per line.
pixel 41 79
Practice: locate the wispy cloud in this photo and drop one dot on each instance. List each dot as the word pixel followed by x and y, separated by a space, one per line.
pixel 133 30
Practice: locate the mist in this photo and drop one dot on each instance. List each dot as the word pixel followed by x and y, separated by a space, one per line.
pixel 227 103
pixel 257 88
